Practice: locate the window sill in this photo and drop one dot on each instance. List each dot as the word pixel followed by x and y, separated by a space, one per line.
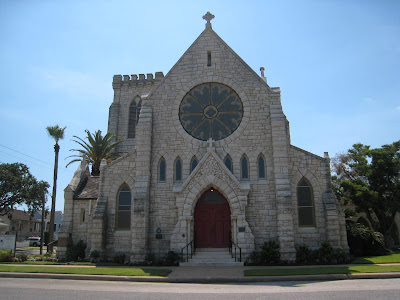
pixel 122 231
pixel 308 229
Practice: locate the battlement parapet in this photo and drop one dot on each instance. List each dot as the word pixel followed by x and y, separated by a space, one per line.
pixel 133 79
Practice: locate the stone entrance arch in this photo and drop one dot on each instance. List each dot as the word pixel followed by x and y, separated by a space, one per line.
pixel 212 173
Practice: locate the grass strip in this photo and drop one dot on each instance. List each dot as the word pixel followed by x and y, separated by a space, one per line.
pixel 384 259
pixel 43 262
pixel 322 270
pixel 87 271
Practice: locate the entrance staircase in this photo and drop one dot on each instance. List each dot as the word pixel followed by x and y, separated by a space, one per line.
pixel 211 257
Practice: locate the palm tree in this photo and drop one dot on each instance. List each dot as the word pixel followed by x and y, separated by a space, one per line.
pixel 57 133
pixel 95 150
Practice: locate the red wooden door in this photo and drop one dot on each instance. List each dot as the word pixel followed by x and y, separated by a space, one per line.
pixel 212 224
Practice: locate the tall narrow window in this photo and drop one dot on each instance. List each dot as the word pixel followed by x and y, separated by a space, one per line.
pixel 162 166
pixel 134 111
pixel 193 163
pixel 208 58
pixel 261 167
pixel 228 163
pixel 244 165
pixel 124 208
pixel 178 170
pixel 305 203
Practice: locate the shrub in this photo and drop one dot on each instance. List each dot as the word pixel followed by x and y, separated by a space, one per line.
pixel 119 258
pixel 326 254
pixel 364 241
pixel 22 256
pixel 5 255
pixel 305 255
pixel 150 259
pixel 76 252
pixel 172 259
pixel 94 255
pixel 268 255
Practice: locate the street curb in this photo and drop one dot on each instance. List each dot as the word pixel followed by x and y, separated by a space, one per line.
pixel 321 277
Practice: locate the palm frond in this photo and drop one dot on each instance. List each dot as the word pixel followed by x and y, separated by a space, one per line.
pixel 95 149
pixel 56 132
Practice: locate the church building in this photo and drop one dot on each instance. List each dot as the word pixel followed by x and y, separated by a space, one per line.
pixel 207 163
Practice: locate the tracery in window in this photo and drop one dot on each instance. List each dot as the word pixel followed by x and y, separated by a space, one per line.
pixel 178 170
pixel 162 167
pixel 193 163
pixel 228 163
pixel 305 203
pixel 211 110
pixel 261 167
pixel 244 167
pixel 134 111
pixel 123 218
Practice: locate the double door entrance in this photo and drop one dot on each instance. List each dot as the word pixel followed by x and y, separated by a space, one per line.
pixel 212 221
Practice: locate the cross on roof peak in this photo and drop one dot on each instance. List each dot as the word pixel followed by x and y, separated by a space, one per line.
pixel 208 17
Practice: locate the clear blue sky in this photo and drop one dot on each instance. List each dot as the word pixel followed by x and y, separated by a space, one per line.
pixel 337 64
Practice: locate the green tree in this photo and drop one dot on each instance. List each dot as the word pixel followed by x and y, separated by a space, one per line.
pixel 370 180
pixel 18 186
pixel 96 149
pixel 57 133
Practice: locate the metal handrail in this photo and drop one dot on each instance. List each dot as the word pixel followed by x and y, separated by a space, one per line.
pixel 233 249
pixel 191 253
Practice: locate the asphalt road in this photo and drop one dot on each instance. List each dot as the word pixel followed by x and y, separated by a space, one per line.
pixel 43 289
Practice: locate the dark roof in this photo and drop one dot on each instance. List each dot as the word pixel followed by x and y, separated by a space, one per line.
pixel 88 188
pixel 20 215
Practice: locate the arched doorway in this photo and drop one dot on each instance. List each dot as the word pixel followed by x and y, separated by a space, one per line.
pixel 212 220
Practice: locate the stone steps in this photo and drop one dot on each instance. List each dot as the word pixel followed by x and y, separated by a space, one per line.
pixel 211 257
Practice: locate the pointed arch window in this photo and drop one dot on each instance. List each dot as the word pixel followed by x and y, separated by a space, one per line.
pixel 193 163
pixel 228 163
pixel 244 168
pixel 178 170
pixel 162 169
pixel 261 167
pixel 123 220
pixel 134 111
pixel 305 203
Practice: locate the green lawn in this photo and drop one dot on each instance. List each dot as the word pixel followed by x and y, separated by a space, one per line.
pixel 384 259
pixel 322 270
pixel 43 262
pixel 86 270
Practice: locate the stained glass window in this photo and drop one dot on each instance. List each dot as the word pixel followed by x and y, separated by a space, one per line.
pixel 193 163
pixel 178 170
pixel 162 166
pixel 134 111
pixel 228 163
pixel 244 167
pixel 305 203
pixel 211 110
pixel 261 167
pixel 124 208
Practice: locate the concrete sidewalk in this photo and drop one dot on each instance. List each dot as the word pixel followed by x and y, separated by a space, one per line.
pixel 208 275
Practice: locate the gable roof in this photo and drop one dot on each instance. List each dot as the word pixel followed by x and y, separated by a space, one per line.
pixel 88 188
pixel 207 30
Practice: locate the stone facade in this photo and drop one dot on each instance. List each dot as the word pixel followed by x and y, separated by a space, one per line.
pixel 262 207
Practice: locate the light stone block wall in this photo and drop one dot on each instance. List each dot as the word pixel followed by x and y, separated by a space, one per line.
pixel 270 210
pixel 80 227
pixel 328 214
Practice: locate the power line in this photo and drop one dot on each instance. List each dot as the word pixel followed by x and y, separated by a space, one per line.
pixel 25 154
pixel 48 165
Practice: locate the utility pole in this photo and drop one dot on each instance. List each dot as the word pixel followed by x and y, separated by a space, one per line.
pixel 42 225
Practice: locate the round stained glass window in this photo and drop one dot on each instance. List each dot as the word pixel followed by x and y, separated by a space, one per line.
pixel 211 110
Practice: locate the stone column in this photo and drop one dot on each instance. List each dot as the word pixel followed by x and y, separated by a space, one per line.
pixel 141 194
pixel 280 149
